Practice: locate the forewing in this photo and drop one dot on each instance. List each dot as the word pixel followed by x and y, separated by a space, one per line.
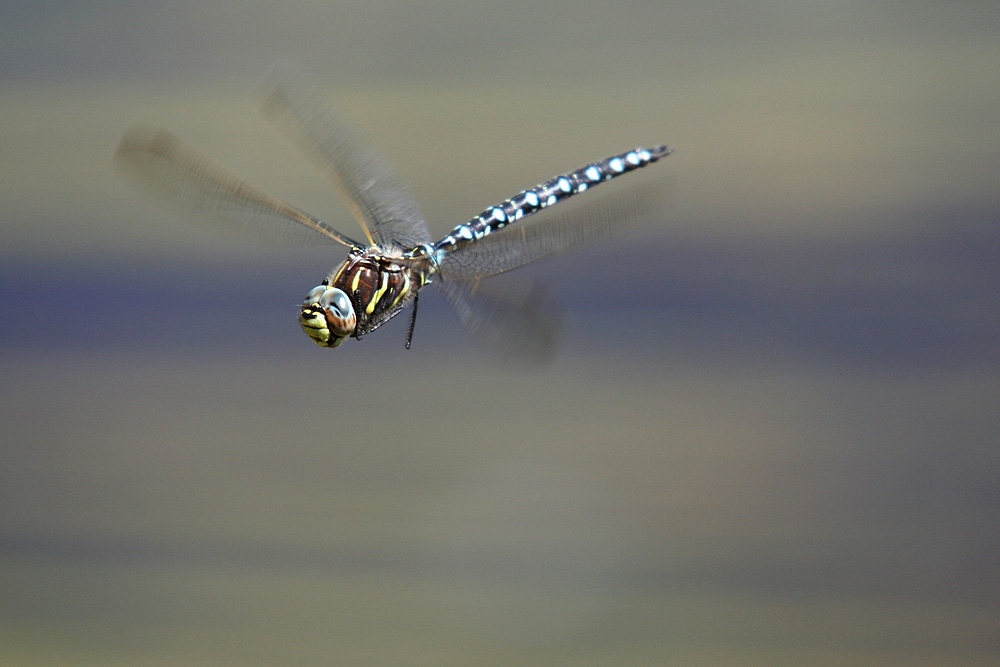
pixel 175 171
pixel 604 220
pixel 386 211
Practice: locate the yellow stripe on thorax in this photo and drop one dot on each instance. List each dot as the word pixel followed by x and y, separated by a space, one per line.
pixel 402 292
pixel 379 293
pixel 338 274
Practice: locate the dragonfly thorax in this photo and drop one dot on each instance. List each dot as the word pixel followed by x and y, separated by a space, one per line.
pixel 363 293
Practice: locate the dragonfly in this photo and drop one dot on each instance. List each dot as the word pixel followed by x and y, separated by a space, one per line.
pixel 384 274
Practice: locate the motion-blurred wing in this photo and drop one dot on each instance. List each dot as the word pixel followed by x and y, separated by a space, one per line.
pixel 179 173
pixel 517 329
pixel 386 211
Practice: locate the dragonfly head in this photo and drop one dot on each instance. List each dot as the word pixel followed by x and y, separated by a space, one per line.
pixel 327 316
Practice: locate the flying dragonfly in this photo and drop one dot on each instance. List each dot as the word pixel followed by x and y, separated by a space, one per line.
pixel 385 273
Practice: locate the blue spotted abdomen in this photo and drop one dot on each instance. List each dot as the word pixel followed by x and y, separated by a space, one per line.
pixel 547 194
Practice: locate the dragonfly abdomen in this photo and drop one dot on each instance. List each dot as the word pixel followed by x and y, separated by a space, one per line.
pixel 546 194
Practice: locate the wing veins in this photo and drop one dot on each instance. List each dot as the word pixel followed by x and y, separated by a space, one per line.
pixel 180 173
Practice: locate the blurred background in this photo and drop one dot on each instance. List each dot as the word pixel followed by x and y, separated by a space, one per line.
pixel 783 450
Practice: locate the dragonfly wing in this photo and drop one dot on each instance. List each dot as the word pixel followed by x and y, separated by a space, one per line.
pixel 514 330
pixel 180 174
pixel 386 210
pixel 602 221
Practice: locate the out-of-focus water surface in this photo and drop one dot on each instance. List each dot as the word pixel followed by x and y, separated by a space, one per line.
pixel 770 436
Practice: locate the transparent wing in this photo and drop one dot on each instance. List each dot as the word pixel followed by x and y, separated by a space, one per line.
pixel 179 173
pixel 605 219
pixel 386 211
pixel 517 329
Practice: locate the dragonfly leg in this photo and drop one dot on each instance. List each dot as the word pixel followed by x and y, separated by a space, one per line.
pixel 357 310
pixel 413 321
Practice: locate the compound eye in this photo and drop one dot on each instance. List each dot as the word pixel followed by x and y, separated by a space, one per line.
pixel 314 294
pixel 335 301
